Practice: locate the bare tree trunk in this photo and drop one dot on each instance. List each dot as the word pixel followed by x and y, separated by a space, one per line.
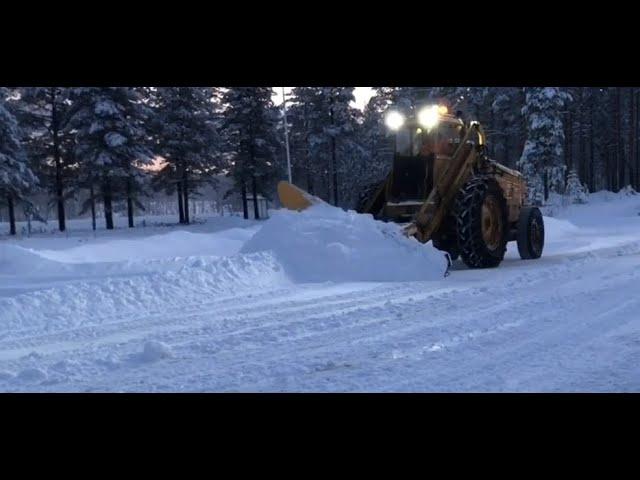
pixel 310 182
pixel 55 131
pixel 592 160
pixel 254 191
pixel 12 215
pixel 185 192
pixel 245 207
pixel 619 151
pixel 582 147
pixel 93 207
pixel 129 204
pixel 108 205
pixel 522 130
pixel 632 138
pixel 546 185
pixel 334 159
pixel 637 133
pixel 334 163
pixel 180 202
pixel 492 126
pixel 610 146
pixel 568 142
pixel 307 163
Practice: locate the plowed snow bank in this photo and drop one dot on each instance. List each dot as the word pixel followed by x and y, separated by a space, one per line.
pixel 196 280
pixel 15 260
pixel 173 244
pixel 325 243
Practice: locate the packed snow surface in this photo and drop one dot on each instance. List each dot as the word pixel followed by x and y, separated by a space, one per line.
pixel 324 300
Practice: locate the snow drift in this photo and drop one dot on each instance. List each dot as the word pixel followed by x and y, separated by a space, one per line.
pixel 72 304
pixel 16 260
pixel 325 243
pixel 173 244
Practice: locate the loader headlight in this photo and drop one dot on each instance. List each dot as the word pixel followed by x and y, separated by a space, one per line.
pixel 429 117
pixel 394 120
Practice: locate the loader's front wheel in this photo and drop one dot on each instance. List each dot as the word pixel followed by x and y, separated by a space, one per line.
pixel 482 223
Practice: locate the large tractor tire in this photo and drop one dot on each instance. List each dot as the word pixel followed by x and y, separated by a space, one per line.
pixel 530 235
pixel 482 223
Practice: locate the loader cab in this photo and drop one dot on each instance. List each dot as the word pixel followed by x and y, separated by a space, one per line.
pixel 423 143
pixel 414 139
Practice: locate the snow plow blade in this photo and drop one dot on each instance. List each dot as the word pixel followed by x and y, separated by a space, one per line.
pixel 294 198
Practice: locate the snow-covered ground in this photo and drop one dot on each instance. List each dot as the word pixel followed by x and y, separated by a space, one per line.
pixel 283 305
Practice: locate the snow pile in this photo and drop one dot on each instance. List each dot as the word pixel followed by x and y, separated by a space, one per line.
pixel 32 374
pixel 154 351
pixel 615 210
pixel 174 244
pixel 74 304
pixel 325 243
pixel 559 228
pixel 596 207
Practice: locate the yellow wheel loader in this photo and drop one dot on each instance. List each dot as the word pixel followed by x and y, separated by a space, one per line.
pixel 444 188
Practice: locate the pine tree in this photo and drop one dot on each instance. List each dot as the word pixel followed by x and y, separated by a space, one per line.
pixel 376 141
pixel 16 178
pixel 44 113
pixel 339 130
pixel 300 116
pixel 186 138
pixel 324 133
pixel 504 130
pixel 112 143
pixel 575 190
pixel 542 161
pixel 249 125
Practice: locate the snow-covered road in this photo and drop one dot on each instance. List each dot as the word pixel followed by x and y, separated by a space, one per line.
pixel 177 315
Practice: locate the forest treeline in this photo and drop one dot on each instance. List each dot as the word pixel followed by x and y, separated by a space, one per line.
pixel 118 144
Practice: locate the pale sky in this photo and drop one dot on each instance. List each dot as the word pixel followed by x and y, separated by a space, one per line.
pixel 362 94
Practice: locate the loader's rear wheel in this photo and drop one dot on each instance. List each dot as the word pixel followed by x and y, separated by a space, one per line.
pixel 482 223
pixel 530 234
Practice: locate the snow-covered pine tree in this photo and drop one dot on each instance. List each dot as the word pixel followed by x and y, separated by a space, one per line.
pixel 542 161
pixel 302 116
pixel 324 131
pixel 16 178
pixel 376 141
pixel 112 143
pixel 507 124
pixel 44 113
pixel 249 127
pixel 575 191
pixel 184 128
pixel 410 98
pixel 347 157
